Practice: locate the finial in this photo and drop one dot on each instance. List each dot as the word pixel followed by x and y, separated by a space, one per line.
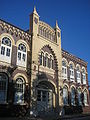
pixel 57 25
pixel 34 11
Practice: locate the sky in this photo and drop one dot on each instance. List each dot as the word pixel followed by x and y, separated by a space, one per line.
pixel 73 18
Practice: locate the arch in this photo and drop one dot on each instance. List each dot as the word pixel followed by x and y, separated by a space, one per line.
pixel 83 68
pixel 73 87
pixel 72 64
pixel 9 36
pixel 41 23
pixel 77 65
pixel 46 95
pixel 24 42
pixel 65 84
pixel 85 89
pixel 54 56
pixel 64 59
pixel 80 88
pixel 47 81
pixel 20 75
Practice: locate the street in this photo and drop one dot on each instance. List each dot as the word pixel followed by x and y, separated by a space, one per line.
pixel 67 118
pixel 77 118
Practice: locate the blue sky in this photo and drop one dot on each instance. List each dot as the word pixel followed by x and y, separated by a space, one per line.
pixel 73 17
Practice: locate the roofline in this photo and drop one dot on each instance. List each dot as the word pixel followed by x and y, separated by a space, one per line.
pixel 14 26
pixel 74 56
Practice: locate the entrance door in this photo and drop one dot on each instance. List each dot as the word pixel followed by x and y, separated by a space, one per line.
pixel 44 99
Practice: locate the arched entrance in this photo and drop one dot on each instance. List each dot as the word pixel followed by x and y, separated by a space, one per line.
pixel 45 92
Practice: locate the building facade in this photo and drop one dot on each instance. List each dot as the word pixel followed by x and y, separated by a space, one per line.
pixel 36 74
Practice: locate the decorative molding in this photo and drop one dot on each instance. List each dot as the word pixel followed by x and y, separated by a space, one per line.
pixel 14 30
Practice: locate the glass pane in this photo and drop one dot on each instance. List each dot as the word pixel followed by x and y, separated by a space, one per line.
pixel 6 41
pixel 22 47
pixel 19 56
pixel 8 52
pixel 2 50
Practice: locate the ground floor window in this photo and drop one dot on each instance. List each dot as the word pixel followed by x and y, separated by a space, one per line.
pixel 3 87
pixel 85 98
pixel 65 95
pixel 19 90
pixel 72 96
pixel 79 97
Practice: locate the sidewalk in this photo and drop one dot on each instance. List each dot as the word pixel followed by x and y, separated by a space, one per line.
pixel 65 117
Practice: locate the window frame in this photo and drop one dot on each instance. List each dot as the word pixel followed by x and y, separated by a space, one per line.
pixel 64 70
pixel 6 82
pixel 7 54
pixel 20 60
pixel 71 69
pixel 19 90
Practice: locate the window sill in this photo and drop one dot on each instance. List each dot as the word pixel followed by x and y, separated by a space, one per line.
pixel 86 105
pixel 19 103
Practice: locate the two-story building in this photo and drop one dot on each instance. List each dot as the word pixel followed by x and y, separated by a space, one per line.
pixel 36 74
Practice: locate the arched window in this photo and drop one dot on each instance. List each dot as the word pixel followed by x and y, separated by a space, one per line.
pixel 65 95
pixel 21 55
pixel 6 48
pixel 83 76
pixel 71 72
pixel 85 97
pixel 46 60
pixel 64 70
pixel 19 90
pixel 72 96
pixel 78 75
pixel 79 97
pixel 42 59
pixel 51 62
pixel 3 87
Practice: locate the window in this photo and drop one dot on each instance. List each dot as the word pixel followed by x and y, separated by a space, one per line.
pixel 78 75
pixel 6 49
pixel 64 70
pixel 83 76
pixel 3 87
pixel 72 96
pixel 46 60
pixel 85 97
pixel 42 59
pixel 71 72
pixel 19 90
pixel 21 55
pixel 79 97
pixel 51 62
pixel 41 95
pixel 65 95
